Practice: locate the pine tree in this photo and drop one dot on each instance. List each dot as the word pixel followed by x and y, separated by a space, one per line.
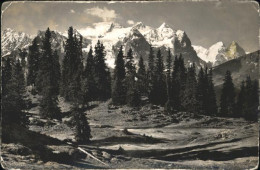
pixel 252 100
pixel 159 90
pixel 66 66
pixel 190 102
pixel 175 85
pixel 200 92
pixel 81 125
pixel 13 103
pixel 49 106
pixel 72 69
pixel 102 74
pixel 169 103
pixel 88 83
pixel 119 89
pixel 33 62
pixel 227 101
pixel 255 99
pixel 178 82
pixel 56 71
pixel 142 77
pixel 76 72
pixel 241 101
pixel 132 94
pixel 6 75
pixel 168 65
pixel 211 96
pixel 150 75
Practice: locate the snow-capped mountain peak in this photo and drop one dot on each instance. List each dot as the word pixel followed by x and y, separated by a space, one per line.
pixel 234 51
pixel 215 54
pixel 201 52
pixel 12 40
pixel 218 53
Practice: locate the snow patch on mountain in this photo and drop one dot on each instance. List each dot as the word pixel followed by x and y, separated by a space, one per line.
pixel 201 52
pixel 161 36
pixel 215 50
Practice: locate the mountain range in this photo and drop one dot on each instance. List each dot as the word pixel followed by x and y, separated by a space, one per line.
pixel 139 37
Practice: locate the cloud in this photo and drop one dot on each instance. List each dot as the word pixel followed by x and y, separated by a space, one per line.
pixel 72 11
pixel 130 22
pixel 103 13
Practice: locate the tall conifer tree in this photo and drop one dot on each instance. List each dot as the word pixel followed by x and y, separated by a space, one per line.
pixel 88 83
pixel 178 82
pixel 102 74
pixel 227 101
pixel 66 65
pixel 82 127
pixel 119 89
pixel 132 94
pixel 48 103
pixel 190 102
pixel 13 103
pixel 33 62
pixel 142 77
pixel 211 96
pixel 159 90
pixel 241 101
pixel 169 103
pixel 150 74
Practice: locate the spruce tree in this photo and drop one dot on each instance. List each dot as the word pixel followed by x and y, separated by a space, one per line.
pixel 33 62
pixel 76 72
pixel 175 85
pixel 159 90
pixel 150 75
pixel 49 105
pixel 82 127
pixel 200 92
pixel 6 75
pixel 142 77
pixel 102 74
pixel 56 71
pixel 66 65
pixel 169 103
pixel 241 101
pixel 211 96
pixel 227 101
pixel 255 99
pixel 88 83
pixel 132 94
pixel 190 102
pixel 178 82
pixel 252 100
pixel 13 103
pixel 119 89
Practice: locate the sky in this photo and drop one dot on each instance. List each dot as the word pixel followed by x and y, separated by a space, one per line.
pixel 205 22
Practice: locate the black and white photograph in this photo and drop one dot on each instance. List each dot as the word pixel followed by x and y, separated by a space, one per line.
pixel 130 84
